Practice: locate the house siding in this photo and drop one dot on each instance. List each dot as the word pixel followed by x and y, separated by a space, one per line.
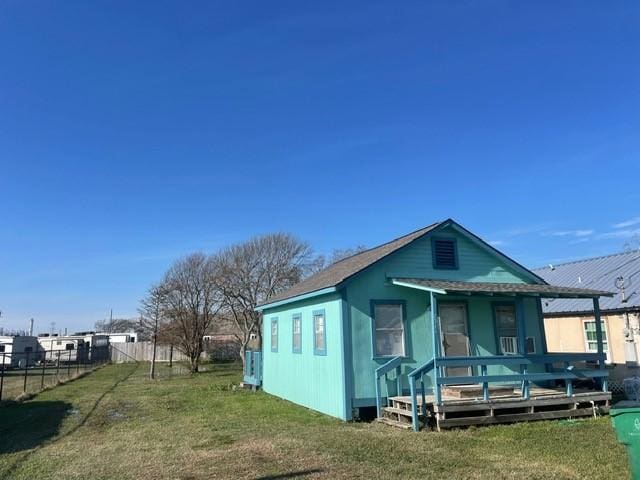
pixel 306 378
pixel 475 264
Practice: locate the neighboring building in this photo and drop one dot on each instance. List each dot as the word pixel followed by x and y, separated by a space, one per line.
pixel 63 349
pixel 18 351
pixel 570 323
pixel 121 337
pixel 422 314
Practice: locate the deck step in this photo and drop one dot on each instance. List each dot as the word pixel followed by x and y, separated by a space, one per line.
pixel 393 423
pixel 398 411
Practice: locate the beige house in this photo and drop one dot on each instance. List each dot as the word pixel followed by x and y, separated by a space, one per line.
pixel 570 324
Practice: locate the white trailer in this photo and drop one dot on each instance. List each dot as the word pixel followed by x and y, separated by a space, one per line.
pixel 121 337
pixel 19 351
pixel 63 349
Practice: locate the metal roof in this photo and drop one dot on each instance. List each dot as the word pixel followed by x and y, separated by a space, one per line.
pixel 486 288
pixel 597 273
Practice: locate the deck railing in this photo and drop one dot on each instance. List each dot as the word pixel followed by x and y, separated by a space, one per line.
pixel 253 368
pixel 568 372
pixel 382 371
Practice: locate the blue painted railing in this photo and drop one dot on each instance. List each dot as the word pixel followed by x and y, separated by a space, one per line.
pixel 253 368
pixel 568 373
pixel 393 364
pixel 414 376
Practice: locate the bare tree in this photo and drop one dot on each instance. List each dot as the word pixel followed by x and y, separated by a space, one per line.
pixel 250 273
pixel 192 302
pixel 117 325
pixel 152 316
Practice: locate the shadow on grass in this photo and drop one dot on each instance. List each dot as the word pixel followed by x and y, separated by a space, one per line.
pixel 38 429
pixel 24 426
pixel 283 476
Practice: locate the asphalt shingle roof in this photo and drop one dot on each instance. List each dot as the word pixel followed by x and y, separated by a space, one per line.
pixel 597 273
pixel 345 268
pixel 504 288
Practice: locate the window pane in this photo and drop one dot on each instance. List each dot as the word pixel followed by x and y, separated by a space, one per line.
pixel 318 325
pixel 297 338
pixel 274 334
pixel 506 321
pixel 388 330
pixel 388 316
pixel 389 342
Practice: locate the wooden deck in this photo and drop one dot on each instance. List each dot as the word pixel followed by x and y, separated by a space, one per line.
pixel 461 407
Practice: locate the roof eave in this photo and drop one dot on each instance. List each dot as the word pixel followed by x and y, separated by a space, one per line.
pixel 297 298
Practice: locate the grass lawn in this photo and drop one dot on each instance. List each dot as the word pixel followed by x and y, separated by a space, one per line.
pixel 116 424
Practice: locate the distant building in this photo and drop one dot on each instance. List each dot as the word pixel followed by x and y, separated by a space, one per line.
pixel 570 323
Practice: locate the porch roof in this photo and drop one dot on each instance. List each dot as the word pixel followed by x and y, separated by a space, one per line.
pixel 486 288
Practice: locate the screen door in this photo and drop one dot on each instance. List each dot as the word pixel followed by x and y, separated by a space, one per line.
pixel 454 335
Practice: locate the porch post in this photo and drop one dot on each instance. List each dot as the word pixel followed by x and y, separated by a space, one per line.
pixel 601 359
pixel 522 327
pixel 435 337
pixel 522 341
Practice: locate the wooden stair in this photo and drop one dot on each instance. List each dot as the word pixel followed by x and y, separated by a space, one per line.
pixel 463 412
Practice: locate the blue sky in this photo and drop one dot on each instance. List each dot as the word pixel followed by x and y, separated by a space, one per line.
pixel 132 133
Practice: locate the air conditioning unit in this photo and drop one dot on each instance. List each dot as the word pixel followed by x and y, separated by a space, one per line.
pixel 509 345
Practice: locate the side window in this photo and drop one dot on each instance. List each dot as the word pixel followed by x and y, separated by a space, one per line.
pixel 69 346
pixel 1 348
pixel 274 334
pixel 297 333
pixel 507 331
pixel 591 339
pixel 319 333
pixel 388 332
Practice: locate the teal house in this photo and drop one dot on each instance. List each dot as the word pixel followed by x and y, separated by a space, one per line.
pixel 424 329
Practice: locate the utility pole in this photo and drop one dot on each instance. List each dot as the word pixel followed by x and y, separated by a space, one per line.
pixel 31 328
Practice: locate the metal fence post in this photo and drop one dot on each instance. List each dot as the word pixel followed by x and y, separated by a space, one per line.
pixel 69 365
pixel 57 364
pixel 78 362
pixel 2 375
pixel 26 372
pixel 44 365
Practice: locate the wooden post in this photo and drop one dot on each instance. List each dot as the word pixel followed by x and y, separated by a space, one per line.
pixel 436 347
pixel 522 341
pixel 601 354
pixel 414 404
pixel 485 385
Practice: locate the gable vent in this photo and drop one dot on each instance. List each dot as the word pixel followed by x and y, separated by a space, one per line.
pixel 444 253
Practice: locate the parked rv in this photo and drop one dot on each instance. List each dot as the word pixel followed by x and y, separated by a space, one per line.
pixel 19 351
pixel 63 349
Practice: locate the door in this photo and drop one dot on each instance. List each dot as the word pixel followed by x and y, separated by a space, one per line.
pixel 454 335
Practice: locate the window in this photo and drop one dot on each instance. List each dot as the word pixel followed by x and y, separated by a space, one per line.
pixel 297 333
pixel 507 330
pixel 274 334
pixel 1 348
pixel 28 349
pixel 388 325
pixel 319 333
pixel 591 340
pixel 445 253
pixel 70 346
pixel 59 342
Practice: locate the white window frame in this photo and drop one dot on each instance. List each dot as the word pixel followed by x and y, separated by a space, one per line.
pixel 605 340
pixel 392 303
